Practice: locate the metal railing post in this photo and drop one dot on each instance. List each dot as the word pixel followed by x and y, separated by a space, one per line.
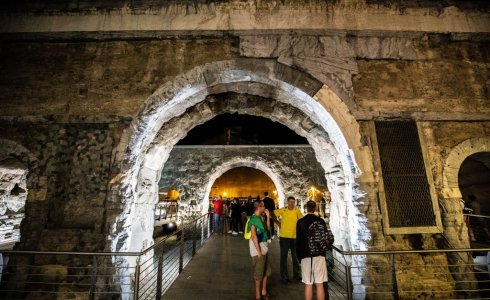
pixel 194 239
pixel 348 281
pixel 93 280
pixel 181 251
pixel 159 277
pixel 137 280
pixel 394 284
pixel 208 227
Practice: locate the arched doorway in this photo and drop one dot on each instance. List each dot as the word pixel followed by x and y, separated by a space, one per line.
pixel 292 98
pixel 242 182
pixel 474 184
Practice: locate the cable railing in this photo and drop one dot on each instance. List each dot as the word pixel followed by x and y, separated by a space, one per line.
pixel 478 228
pixel 409 274
pixel 400 274
pixel 415 274
pixel 126 275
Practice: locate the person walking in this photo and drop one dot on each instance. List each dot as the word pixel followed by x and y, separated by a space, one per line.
pixel 236 215
pixel 313 240
pixel 259 250
pixel 289 216
pixel 218 215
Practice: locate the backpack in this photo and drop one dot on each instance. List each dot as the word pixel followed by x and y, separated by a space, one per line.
pixel 247 234
pixel 319 238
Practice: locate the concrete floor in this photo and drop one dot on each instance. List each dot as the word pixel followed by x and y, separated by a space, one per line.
pixel 222 269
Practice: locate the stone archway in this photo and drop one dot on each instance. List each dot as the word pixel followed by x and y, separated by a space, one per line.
pixel 259 165
pixel 451 200
pixel 140 157
pixel 176 128
pixel 454 160
pixel 191 170
pixel 450 192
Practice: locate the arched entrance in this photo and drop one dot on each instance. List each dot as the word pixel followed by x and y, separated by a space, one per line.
pixel 474 184
pixel 223 168
pixel 293 98
pixel 451 194
pixel 242 182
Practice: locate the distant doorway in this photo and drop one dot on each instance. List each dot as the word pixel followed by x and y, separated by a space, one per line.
pixel 242 182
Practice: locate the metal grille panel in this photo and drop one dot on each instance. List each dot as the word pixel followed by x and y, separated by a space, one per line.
pixel 408 198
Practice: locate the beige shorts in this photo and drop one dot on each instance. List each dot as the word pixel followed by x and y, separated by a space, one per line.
pixel 315 272
pixel 262 266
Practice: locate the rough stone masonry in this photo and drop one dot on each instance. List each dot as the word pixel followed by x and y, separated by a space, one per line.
pixel 77 82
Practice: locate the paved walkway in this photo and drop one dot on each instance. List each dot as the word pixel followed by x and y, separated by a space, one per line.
pixel 222 270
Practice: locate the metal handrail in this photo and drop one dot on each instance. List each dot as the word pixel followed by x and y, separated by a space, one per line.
pixel 143 252
pixel 479 216
pixel 90 279
pixel 468 278
pixel 343 252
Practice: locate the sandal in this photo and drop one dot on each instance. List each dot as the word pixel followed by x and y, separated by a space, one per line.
pixel 266 296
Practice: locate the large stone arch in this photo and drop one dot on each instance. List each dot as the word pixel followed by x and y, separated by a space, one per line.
pixel 140 157
pixel 177 127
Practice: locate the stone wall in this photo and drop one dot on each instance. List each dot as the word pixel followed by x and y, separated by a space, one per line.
pixel 97 78
pixel 379 61
pixel 192 170
pixel 67 186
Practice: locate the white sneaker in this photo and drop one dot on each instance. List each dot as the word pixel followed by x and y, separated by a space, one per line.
pixel 229 231
pixel 235 233
pixel 240 232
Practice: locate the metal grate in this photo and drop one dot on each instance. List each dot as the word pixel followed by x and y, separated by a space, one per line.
pixel 408 199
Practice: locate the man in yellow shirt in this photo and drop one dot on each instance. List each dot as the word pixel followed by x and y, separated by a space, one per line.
pixel 288 216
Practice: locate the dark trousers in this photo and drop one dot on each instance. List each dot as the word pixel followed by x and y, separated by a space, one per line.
pixel 285 245
pixel 237 223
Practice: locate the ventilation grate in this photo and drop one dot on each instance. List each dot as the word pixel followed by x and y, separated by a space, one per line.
pixel 408 198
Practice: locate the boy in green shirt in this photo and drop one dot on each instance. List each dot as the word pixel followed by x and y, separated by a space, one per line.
pixel 259 249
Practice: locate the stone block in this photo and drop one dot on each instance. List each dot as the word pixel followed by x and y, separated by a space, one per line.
pixel 53 273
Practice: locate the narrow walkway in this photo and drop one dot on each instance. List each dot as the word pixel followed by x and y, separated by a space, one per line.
pixel 222 269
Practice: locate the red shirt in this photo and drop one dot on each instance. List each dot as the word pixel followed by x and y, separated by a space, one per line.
pixel 218 207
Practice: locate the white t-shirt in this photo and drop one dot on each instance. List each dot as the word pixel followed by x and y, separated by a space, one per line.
pixel 253 250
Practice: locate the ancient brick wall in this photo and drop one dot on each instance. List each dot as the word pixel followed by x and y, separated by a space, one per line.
pixel 68 187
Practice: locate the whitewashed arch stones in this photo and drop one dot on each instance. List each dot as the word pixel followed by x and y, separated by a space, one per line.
pixel 139 158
